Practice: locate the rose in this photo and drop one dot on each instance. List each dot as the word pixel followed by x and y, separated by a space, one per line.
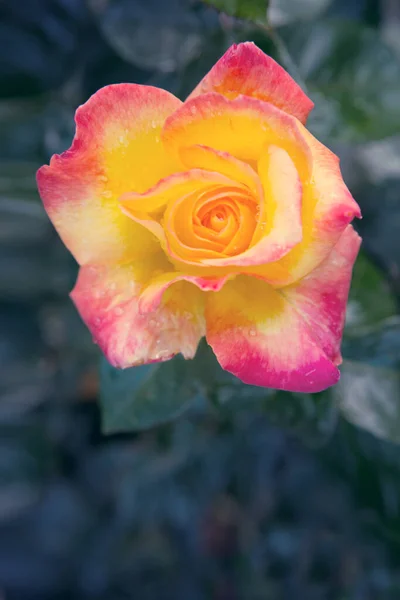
pixel 220 216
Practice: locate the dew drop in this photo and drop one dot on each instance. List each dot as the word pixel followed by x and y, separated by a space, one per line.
pixel 103 178
pixel 97 321
pixel 252 332
pixel 107 194
pixel 154 124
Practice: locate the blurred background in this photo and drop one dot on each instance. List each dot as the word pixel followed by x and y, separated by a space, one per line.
pixel 251 494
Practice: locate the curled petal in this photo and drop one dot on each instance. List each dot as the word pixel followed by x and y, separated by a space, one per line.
pixel 107 299
pixel 327 209
pixel 202 157
pixel 245 69
pixel 116 148
pixel 152 294
pixel 170 189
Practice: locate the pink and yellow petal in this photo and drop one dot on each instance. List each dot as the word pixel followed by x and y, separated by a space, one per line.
pixel 245 69
pixel 116 149
pixel 107 299
pixel 320 298
pixel 258 336
pixel 241 127
pixel 327 209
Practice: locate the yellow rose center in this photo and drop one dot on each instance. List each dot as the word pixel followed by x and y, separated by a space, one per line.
pixel 216 222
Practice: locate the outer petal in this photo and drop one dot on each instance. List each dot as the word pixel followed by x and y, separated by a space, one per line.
pixel 107 300
pixel 259 337
pixel 245 69
pixel 116 149
pixel 321 297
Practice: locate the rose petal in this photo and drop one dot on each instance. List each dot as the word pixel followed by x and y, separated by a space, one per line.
pixel 245 69
pixel 328 208
pixel 107 299
pixel 321 297
pixel 202 157
pixel 169 189
pixel 116 149
pixel 260 338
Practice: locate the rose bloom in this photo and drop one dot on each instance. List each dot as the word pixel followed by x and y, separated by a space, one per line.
pixel 221 216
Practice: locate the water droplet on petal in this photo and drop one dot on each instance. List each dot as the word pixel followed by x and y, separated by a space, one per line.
pixel 252 331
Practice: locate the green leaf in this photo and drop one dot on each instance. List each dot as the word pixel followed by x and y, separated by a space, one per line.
pixel 368 393
pixel 357 74
pixel 141 397
pixel 252 10
pixel 370 299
